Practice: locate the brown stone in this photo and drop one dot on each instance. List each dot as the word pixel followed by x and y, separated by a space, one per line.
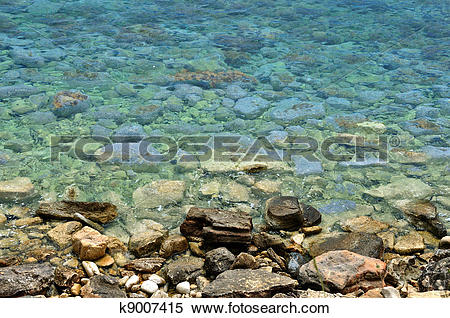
pixel 89 244
pixel 145 243
pixel 422 215
pixel 218 226
pixel 62 233
pixel 364 224
pixel 2 219
pixel 342 271
pixel 172 245
pixel 283 213
pixel 27 221
pixel 311 230
pixel 66 277
pixel 409 244
pixel 146 265
pixel 445 242
pixel 18 189
pixel 102 212
pixel 105 261
pixel 244 260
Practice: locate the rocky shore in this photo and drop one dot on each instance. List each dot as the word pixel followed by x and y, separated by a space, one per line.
pixel 219 253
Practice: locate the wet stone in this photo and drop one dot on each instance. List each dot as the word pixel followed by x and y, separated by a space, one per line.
pixel 159 193
pixel 144 243
pixel 18 189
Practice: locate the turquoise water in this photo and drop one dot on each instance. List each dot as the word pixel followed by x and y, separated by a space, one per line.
pixel 264 68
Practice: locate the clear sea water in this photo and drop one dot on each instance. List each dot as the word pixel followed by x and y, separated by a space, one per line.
pixel 246 68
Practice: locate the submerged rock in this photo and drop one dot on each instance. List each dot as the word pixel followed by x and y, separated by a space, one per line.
pixel 251 107
pixel 292 111
pixel 402 188
pixel 102 212
pixel 159 193
pixel 409 244
pixel 18 91
pixel 28 279
pixel 18 189
pixel 342 271
pixel 422 215
pixel 62 233
pixel 361 243
pixel 68 103
pixel 248 283
pixel 364 224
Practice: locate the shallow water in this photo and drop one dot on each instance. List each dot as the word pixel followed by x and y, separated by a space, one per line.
pixel 312 68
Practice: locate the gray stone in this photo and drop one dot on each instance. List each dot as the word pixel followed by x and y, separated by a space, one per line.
pixel 411 97
pixel 292 111
pixel 104 286
pixel 28 279
pixel 184 269
pixel 251 107
pixel 248 283
pixel 18 91
pixel 218 260
pixel 235 92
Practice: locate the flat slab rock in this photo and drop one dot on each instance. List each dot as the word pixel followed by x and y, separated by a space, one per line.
pixel 218 226
pixel 28 279
pixel 102 212
pixel 248 283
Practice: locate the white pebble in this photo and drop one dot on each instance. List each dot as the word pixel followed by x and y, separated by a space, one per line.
pixel 157 279
pixel 133 280
pixel 90 268
pixel 149 287
pixel 183 288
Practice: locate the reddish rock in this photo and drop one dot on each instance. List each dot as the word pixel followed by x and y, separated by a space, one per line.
pixel 89 244
pixel 342 271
